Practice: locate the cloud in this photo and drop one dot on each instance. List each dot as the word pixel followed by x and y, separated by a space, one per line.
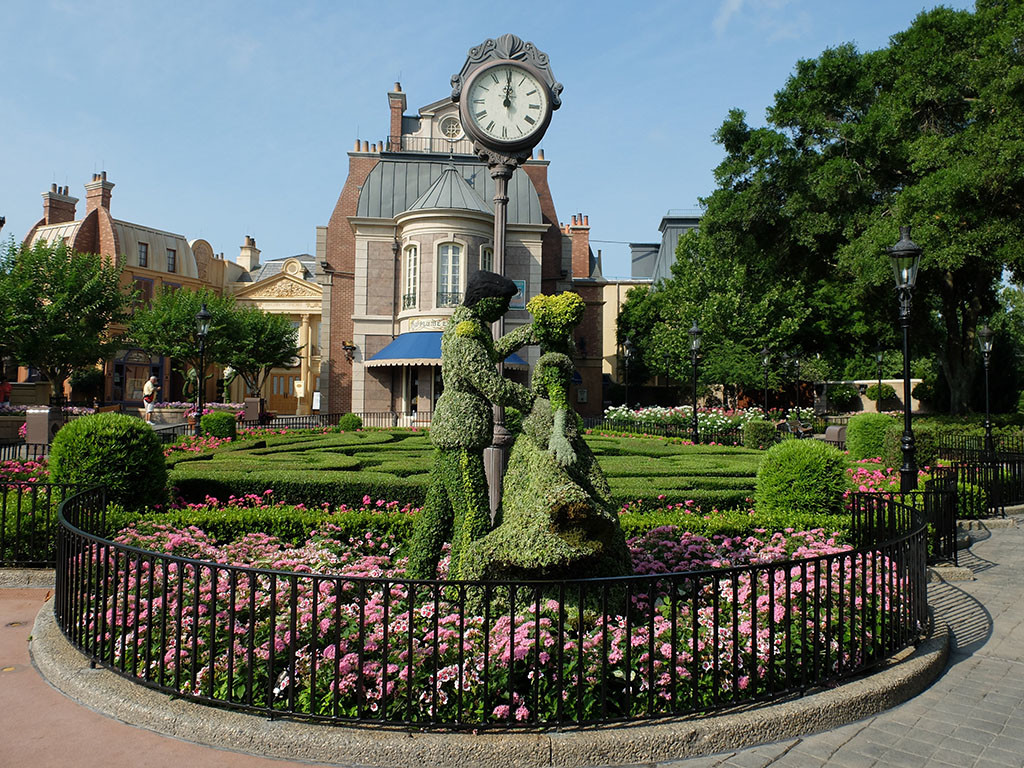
pixel 728 9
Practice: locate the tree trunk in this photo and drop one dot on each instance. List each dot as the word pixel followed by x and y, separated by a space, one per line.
pixel 957 357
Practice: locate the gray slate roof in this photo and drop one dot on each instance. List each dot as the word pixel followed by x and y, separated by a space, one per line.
pixel 451 191
pixel 274 266
pixel 394 185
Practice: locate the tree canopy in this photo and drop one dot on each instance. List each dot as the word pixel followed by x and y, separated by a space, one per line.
pixel 262 341
pixel 791 248
pixel 57 306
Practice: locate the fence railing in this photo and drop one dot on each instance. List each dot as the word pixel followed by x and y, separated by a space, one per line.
pixel 28 522
pixel 954 446
pixel 19 450
pixel 477 654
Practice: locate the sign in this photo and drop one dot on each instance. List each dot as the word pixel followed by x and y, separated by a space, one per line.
pixel 316 401
pixel 519 300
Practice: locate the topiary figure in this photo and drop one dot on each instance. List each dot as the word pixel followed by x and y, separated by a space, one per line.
pixel 801 476
pixel 348 422
pixel 118 451
pixel 558 519
pixel 457 506
pixel 865 435
pixel 219 424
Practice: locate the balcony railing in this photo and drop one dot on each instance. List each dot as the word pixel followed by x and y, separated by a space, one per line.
pixel 409 301
pixel 449 299
pixel 427 144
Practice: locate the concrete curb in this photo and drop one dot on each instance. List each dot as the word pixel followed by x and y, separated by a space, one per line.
pixel 107 693
pixel 20 578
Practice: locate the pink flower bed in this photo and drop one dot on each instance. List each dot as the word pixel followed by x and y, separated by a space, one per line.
pixel 319 639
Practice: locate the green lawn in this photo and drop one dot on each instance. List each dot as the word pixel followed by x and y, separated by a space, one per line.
pixel 342 468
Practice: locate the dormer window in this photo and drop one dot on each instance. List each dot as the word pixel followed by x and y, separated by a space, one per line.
pixel 143 254
pixel 172 260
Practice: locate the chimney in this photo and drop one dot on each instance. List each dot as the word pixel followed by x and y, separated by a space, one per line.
pixel 579 231
pixel 396 100
pixel 58 207
pixel 249 255
pixel 97 193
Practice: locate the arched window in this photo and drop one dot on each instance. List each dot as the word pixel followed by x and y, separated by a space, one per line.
pixel 487 258
pixel 449 275
pixel 412 277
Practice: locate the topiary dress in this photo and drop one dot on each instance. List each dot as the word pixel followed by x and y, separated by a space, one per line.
pixel 558 520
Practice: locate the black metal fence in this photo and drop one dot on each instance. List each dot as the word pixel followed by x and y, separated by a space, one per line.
pixel 473 654
pixel 19 450
pixel 28 522
pixel 958 446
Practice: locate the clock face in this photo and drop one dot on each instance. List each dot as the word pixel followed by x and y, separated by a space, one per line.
pixel 508 104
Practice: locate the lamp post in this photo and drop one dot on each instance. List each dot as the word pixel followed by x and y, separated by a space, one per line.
pixel 694 351
pixel 906 258
pixel 985 340
pixel 766 358
pixel 203 318
pixel 878 394
pixel 627 354
pixel 796 362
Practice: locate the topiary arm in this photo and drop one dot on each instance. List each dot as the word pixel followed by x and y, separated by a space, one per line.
pixel 475 366
pixel 514 340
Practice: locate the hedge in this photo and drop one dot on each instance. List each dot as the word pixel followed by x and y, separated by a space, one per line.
pixel 801 476
pixel 865 435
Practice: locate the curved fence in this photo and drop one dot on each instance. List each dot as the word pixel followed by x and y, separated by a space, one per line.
pixel 473 654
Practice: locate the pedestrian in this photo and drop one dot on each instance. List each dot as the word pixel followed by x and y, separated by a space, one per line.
pixel 149 391
pixel 5 391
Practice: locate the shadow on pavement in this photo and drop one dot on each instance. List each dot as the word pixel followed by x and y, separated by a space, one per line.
pixel 968 620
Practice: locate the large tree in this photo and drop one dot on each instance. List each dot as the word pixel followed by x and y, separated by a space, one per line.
pixel 167 326
pixel 57 306
pixel 923 132
pixel 263 341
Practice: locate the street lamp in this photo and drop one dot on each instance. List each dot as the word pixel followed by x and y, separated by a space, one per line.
pixel 203 318
pixel 985 340
pixel 878 395
pixel 906 258
pixel 796 362
pixel 694 351
pixel 766 358
pixel 627 354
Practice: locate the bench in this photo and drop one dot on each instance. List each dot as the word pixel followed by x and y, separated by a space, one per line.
pixel 795 427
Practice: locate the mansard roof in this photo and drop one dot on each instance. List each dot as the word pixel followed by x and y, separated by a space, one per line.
pixel 451 190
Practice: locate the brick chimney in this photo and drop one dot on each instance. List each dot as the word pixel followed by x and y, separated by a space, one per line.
pixel 396 100
pixel 579 231
pixel 97 193
pixel 58 206
pixel 249 255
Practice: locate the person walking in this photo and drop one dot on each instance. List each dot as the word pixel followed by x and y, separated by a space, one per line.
pixel 149 390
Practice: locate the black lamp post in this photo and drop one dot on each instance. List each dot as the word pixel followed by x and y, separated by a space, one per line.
pixel 985 340
pixel 203 318
pixel 906 258
pixel 627 354
pixel 766 358
pixel 694 351
pixel 878 394
pixel 796 362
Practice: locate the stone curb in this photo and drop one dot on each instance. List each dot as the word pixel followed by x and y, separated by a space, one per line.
pixel 107 693
pixel 21 578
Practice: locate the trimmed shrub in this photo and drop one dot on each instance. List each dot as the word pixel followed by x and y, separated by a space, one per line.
pixel 865 435
pixel 759 434
pixel 926 444
pixel 801 477
pixel 111 449
pixel 924 391
pixel 844 397
pixel 349 422
pixel 735 522
pixel 971 502
pixel 219 424
pixel 888 393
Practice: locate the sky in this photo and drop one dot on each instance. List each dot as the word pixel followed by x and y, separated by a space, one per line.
pixel 218 120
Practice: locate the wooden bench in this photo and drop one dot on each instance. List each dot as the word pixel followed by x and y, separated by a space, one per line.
pixel 795 427
pixel 115 408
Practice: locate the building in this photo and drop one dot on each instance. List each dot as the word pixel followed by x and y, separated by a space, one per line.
pixel 413 220
pixel 674 225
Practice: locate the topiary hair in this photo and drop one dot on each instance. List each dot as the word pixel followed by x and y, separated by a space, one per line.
pixel 484 285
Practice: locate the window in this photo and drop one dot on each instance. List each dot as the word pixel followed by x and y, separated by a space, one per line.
pixel 487 258
pixel 172 260
pixel 449 274
pixel 145 288
pixel 412 277
pixel 143 254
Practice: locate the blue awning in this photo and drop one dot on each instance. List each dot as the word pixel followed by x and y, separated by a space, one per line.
pixel 420 348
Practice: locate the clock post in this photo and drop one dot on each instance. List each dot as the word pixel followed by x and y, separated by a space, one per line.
pixel 506 93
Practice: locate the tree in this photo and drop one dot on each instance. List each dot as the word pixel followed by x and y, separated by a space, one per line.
pixel 168 327
pixel 263 341
pixel 57 306
pixel 924 132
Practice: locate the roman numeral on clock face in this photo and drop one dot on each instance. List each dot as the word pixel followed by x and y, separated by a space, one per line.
pixel 530 120
pixel 482 113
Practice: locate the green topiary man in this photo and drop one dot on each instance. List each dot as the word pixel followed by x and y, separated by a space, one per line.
pixel 457 507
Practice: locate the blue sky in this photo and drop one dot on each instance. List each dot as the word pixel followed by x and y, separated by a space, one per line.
pixel 222 119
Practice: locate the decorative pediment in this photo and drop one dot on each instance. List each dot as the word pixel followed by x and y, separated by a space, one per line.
pixel 281 286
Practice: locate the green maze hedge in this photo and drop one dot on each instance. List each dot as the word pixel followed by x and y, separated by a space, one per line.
pixel 343 468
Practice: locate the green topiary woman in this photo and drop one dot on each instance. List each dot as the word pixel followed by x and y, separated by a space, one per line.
pixel 558 520
pixel 457 507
